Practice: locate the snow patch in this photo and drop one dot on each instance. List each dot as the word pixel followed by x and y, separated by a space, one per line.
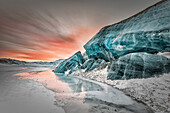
pixel 152 91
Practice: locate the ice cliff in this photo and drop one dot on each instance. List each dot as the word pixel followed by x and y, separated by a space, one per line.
pixel 138 65
pixel 72 64
pixel 148 31
pixel 131 46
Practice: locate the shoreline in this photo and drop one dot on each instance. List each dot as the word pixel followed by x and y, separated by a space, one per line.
pixel 24 96
pixel 152 92
pixel 131 88
pixel 105 83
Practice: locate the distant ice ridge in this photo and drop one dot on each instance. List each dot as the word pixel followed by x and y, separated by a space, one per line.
pixel 132 48
pixel 18 62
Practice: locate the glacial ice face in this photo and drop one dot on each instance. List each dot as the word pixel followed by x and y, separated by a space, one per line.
pixel 148 32
pixel 138 65
pixel 130 46
pixel 91 64
pixel 85 56
pixel 73 63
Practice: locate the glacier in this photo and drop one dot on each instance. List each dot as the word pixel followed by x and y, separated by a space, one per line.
pixel 72 64
pixel 91 64
pixel 130 48
pixel 138 65
pixel 148 31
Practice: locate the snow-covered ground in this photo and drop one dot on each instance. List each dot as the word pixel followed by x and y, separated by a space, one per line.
pixel 155 92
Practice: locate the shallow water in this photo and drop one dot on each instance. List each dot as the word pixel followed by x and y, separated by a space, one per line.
pixel 24 96
pixel 78 95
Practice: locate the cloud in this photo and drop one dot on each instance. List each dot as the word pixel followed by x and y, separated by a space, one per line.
pixel 52 29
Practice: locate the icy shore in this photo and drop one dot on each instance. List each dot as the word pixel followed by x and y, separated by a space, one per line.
pixel 155 92
pixel 24 96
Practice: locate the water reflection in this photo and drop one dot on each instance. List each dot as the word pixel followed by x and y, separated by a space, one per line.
pixel 70 98
pixel 79 85
pixel 77 95
pixel 48 79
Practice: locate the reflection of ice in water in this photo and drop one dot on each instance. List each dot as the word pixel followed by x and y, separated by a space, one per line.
pixel 77 95
pixel 77 84
pixel 65 96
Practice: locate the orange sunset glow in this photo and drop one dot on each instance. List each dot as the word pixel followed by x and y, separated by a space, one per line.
pixel 51 48
pixel 48 30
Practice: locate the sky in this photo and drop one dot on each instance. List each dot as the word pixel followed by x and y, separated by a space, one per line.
pixel 47 30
